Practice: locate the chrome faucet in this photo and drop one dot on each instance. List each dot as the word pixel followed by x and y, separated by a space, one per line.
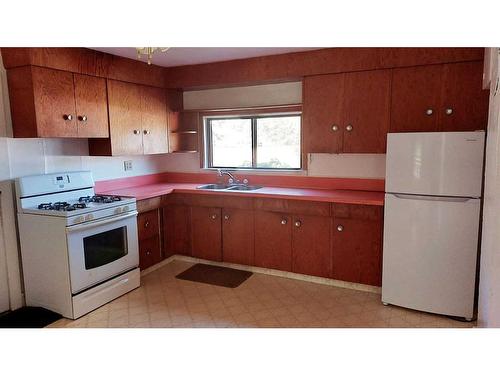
pixel 232 179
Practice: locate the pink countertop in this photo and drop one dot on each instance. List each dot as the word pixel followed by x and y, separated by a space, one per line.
pixel 155 189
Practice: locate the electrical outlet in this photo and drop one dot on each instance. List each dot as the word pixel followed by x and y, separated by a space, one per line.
pixel 127 165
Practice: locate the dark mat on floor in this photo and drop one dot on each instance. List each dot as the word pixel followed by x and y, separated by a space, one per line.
pixel 28 317
pixel 215 275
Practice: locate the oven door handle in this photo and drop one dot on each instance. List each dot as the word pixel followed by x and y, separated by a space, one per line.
pixel 96 223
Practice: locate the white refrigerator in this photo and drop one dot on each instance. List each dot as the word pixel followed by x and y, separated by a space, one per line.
pixel 431 221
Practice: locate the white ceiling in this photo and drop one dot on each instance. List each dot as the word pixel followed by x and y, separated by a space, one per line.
pixel 177 56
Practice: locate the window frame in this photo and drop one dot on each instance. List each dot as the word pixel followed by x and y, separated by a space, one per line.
pixel 208 148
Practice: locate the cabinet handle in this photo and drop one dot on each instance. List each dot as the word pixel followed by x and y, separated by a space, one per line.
pixel 429 112
pixel 82 118
pixel 146 132
pixel 136 132
pixel 340 228
pixel 298 223
pixel 335 128
pixel 226 217
pixel 214 216
pixel 68 117
pixel 146 224
pixel 284 221
pixel 148 252
pixel 448 111
pixel 349 128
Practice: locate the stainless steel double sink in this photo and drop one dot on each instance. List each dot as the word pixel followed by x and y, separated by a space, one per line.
pixel 232 187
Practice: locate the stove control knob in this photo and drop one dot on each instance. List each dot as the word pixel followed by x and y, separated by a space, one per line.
pixel 118 210
pixel 79 219
pixel 89 217
pixel 124 208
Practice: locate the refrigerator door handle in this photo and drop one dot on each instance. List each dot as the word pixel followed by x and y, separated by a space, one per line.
pixel 432 198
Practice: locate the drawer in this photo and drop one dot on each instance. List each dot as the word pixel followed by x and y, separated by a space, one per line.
pixel 291 206
pixel 145 205
pixel 149 252
pixel 148 224
pixel 357 211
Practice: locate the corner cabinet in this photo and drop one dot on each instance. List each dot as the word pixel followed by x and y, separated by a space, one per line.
pixel 51 103
pixel 137 121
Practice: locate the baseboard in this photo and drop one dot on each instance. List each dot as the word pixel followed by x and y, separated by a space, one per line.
pixel 267 271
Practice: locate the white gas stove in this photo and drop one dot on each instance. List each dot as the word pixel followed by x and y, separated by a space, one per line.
pixel 79 250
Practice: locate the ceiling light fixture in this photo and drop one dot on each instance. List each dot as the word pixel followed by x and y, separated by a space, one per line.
pixel 149 51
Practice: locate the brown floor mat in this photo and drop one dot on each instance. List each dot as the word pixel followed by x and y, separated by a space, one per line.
pixel 215 275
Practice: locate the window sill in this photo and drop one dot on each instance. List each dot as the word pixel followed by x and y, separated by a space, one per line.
pixel 258 171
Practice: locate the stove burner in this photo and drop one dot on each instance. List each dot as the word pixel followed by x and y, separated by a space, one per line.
pixel 100 199
pixel 80 205
pixel 45 206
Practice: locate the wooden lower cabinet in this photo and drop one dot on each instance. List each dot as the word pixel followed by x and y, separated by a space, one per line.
pixel 149 252
pixel 176 230
pixel 311 250
pixel 238 236
pixel 273 240
pixel 206 233
pixel 357 244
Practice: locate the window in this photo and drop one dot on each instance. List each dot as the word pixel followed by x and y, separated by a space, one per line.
pixel 257 142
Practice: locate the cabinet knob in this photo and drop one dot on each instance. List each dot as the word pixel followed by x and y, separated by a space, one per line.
pixel 335 128
pixel 429 112
pixel 284 221
pixel 448 111
pixel 146 132
pixel 148 252
pixel 82 118
pixel 340 228
pixel 213 216
pixel 349 128
pixel 298 223
pixel 68 117
pixel 146 224
pixel 226 217
pixel 136 131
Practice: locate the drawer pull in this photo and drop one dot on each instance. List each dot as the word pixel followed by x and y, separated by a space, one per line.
pixel 68 117
pixel 148 252
pixel 298 223
pixel 226 217
pixel 213 217
pixel 284 221
pixel 335 128
pixel 429 112
pixel 340 228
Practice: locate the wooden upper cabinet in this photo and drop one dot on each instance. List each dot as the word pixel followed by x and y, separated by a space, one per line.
pixel 322 113
pixel 238 236
pixel 125 118
pixel 154 120
pixel 137 121
pixel 52 103
pixel 464 103
pixel 443 97
pixel 366 111
pixel 416 94
pixel 91 106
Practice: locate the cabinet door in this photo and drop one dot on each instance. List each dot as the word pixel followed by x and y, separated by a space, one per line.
pixel 238 236
pixel 367 98
pixel 464 104
pixel 54 101
pixel 148 224
pixel 415 102
pixel 177 229
pixel 273 240
pixel 149 252
pixel 357 244
pixel 154 120
pixel 322 113
pixel 311 250
pixel 91 106
pixel 125 118
pixel 206 233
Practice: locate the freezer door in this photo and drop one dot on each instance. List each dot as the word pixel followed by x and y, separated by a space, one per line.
pixel 447 164
pixel 429 253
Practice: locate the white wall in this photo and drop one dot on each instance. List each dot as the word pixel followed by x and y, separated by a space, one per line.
pixel 489 283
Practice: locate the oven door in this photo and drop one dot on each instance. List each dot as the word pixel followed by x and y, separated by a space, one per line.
pixel 102 249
